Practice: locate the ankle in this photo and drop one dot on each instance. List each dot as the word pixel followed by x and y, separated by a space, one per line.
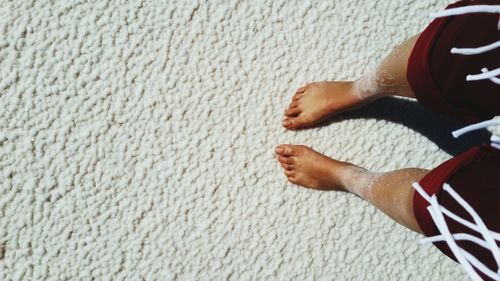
pixel 366 87
pixel 358 180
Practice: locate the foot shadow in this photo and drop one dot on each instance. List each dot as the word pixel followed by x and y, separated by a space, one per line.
pixel 435 127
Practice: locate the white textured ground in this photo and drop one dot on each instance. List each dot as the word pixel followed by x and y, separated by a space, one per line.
pixel 136 141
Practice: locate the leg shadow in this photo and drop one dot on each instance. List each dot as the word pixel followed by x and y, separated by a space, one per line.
pixel 435 127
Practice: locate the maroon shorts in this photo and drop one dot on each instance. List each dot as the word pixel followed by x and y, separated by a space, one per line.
pixel 438 80
pixel 474 175
pixel 438 77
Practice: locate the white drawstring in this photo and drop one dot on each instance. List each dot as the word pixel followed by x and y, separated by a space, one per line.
pixel 467 10
pixel 458 236
pixel 463 257
pixel 485 75
pixel 493 79
pixel 479 265
pixel 438 218
pixel 451 215
pixel 475 51
pixel 477 219
pixel 473 127
pixel 491 75
pixel 495 140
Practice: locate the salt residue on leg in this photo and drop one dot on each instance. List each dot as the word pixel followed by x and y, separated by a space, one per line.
pixel 375 83
pixel 366 85
pixel 360 181
pixel 382 81
pixel 390 192
pixel 389 77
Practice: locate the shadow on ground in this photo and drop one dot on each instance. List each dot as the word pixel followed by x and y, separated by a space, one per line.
pixel 435 127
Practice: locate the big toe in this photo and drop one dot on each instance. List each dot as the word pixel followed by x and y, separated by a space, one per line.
pixel 292 112
pixel 285 150
pixel 293 122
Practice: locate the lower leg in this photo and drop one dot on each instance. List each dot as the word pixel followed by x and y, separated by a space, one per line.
pixel 390 192
pixel 389 77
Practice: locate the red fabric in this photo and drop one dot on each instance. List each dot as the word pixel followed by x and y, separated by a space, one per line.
pixel 438 77
pixel 474 175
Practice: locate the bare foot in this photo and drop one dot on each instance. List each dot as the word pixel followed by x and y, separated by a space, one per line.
pixel 306 167
pixel 317 101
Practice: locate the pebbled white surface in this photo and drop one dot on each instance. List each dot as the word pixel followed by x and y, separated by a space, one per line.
pixel 136 142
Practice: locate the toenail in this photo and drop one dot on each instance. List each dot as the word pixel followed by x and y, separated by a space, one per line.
pixel 286 122
pixel 279 150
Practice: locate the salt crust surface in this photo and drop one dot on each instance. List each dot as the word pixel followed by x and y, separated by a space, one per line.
pixel 136 142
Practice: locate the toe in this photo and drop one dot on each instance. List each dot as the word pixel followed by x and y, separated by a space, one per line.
pixel 292 179
pixel 295 122
pixel 285 160
pixel 279 149
pixel 301 89
pixel 289 173
pixel 297 97
pixel 293 112
pixel 286 150
pixel 287 167
pixel 288 123
pixel 291 122
pixel 294 104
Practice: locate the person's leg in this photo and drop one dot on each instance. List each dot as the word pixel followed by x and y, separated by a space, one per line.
pixel 390 192
pixel 319 100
